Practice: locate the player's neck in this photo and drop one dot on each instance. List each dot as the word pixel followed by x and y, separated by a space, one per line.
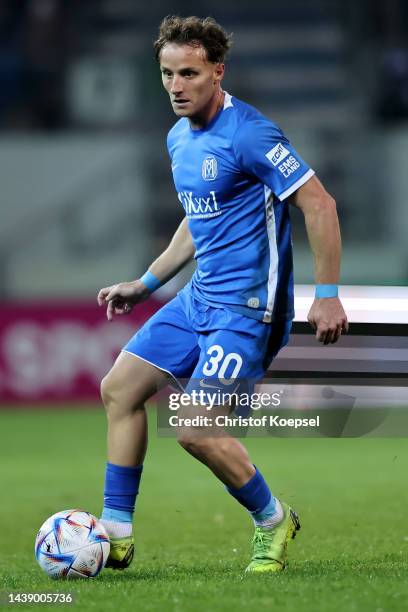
pixel 214 106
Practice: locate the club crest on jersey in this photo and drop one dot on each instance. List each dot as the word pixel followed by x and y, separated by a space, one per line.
pixel 209 169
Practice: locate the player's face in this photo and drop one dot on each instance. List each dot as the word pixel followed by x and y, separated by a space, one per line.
pixel 192 82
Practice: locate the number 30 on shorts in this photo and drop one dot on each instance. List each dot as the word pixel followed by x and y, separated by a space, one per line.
pixel 218 364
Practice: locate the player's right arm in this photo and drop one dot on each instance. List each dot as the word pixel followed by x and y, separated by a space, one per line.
pixel 121 298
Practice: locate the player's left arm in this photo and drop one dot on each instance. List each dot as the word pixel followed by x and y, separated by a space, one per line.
pixel 326 315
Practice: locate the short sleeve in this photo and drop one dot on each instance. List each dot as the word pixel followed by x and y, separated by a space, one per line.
pixel 262 150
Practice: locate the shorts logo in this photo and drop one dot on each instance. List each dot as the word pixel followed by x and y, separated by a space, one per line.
pixel 276 154
pixel 253 302
pixel 209 169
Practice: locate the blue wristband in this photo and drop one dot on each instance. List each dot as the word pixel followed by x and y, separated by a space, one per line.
pixel 151 282
pixel 326 291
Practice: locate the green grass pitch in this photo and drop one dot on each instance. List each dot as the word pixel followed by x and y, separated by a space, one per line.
pixel 192 538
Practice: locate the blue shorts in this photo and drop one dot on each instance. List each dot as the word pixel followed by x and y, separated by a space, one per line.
pixel 193 341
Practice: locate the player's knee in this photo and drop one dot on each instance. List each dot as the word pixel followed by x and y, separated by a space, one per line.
pixel 107 393
pixel 185 439
pixel 194 443
pixel 119 398
pixel 113 398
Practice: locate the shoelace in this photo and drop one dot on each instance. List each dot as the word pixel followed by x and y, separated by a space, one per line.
pixel 261 541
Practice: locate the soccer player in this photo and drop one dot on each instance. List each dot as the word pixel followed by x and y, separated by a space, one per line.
pixel 235 174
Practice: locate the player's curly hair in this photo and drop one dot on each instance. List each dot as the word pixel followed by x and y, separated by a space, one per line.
pixel 194 31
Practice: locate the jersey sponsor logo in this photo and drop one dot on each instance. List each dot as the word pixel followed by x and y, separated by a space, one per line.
pixel 276 154
pixel 199 207
pixel 209 168
pixel 289 166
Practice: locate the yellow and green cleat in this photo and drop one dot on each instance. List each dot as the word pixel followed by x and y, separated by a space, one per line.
pixel 121 553
pixel 269 545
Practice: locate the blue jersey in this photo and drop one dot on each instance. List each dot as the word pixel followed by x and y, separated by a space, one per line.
pixel 233 178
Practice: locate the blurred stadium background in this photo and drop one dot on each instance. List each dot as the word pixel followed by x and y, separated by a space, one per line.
pixel 86 191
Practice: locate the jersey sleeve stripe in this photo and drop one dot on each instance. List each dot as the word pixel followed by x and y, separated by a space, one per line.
pixel 296 185
pixel 273 254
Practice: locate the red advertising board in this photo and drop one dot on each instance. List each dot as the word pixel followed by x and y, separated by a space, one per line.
pixel 60 351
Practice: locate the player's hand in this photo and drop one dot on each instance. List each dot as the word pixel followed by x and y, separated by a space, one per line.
pixel 121 298
pixel 328 319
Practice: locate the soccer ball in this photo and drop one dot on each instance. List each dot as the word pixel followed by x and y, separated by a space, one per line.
pixel 72 544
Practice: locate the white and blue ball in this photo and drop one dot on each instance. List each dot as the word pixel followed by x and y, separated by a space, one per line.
pixel 72 544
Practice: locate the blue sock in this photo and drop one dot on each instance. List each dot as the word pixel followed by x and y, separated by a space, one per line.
pixel 121 488
pixel 266 513
pixel 255 496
